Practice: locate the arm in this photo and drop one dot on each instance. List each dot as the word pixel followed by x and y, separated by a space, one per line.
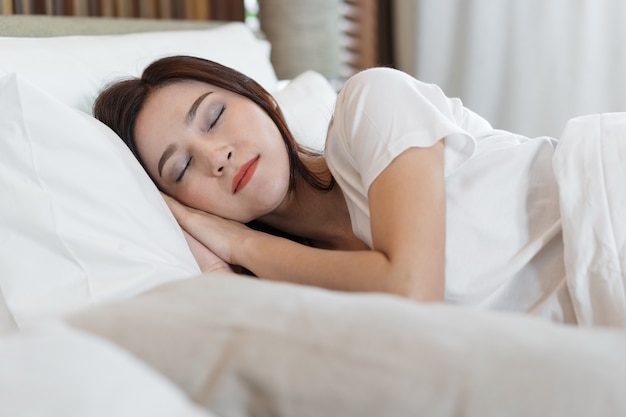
pixel 408 229
pixel 407 205
pixel 408 218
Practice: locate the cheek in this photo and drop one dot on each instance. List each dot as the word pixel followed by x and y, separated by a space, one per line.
pixel 273 190
pixel 200 195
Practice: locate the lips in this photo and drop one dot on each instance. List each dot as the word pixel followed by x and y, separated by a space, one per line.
pixel 244 174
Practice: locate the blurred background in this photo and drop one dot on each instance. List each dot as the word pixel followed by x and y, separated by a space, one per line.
pixel 525 65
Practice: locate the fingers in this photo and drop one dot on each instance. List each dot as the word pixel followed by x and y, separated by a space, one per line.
pixel 178 209
pixel 220 267
pixel 206 259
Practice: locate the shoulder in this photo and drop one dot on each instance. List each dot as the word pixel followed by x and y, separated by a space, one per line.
pixel 380 104
pixel 376 110
pixel 380 75
pixel 382 81
pixel 377 74
pixel 383 92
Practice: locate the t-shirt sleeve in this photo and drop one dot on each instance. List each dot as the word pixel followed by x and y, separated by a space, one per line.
pixel 382 112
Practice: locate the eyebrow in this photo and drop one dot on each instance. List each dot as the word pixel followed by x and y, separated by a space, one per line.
pixel 191 115
pixel 169 151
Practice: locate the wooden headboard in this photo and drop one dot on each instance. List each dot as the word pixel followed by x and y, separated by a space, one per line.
pixel 227 10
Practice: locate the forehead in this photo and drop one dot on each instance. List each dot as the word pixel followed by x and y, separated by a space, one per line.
pixel 164 112
pixel 171 100
pixel 182 89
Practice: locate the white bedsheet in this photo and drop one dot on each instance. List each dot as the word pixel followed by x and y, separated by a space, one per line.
pixel 590 166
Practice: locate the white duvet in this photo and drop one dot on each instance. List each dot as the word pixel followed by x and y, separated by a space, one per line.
pixel 590 166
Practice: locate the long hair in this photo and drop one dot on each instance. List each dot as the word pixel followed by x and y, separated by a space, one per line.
pixel 119 104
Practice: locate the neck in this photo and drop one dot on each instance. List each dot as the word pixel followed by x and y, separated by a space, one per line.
pixel 320 216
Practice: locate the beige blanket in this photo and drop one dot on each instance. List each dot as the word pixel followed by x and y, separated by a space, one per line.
pixel 246 347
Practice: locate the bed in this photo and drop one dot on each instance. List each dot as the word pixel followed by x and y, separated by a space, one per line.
pixel 103 310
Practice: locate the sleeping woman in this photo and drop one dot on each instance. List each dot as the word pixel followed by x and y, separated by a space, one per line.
pixel 414 195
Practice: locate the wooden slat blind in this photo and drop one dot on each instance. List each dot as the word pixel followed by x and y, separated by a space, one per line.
pixel 231 10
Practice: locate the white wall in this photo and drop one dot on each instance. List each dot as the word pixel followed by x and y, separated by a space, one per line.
pixel 525 65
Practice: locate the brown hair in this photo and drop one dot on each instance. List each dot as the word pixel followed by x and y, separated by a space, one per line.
pixel 119 104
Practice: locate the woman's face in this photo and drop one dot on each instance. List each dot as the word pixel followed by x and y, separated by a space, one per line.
pixel 213 150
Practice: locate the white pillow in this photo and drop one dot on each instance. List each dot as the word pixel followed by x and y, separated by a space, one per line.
pixel 75 68
pixel 79 261
pixel 80 221
pixel 59 371
pixel 308 102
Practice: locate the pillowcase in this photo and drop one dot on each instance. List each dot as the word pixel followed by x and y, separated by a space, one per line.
pixel 75 68
pixel 308 102
pixel 80 220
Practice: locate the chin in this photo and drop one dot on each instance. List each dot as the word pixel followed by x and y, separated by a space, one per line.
pixel 270 204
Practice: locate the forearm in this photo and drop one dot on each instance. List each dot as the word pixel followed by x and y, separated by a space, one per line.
pixel 275 258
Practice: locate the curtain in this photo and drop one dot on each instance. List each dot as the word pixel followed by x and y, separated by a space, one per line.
pixel 525 65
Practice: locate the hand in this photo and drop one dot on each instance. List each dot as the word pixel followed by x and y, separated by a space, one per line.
pixel 217 235
pixel 207 260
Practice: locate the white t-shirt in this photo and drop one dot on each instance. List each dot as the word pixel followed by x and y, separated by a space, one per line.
pixel 504 247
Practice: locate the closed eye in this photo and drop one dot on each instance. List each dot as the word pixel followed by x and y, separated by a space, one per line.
pixel 182 172
pixel 217 118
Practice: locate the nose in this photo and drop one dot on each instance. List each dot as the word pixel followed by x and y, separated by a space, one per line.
pixel 217 158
